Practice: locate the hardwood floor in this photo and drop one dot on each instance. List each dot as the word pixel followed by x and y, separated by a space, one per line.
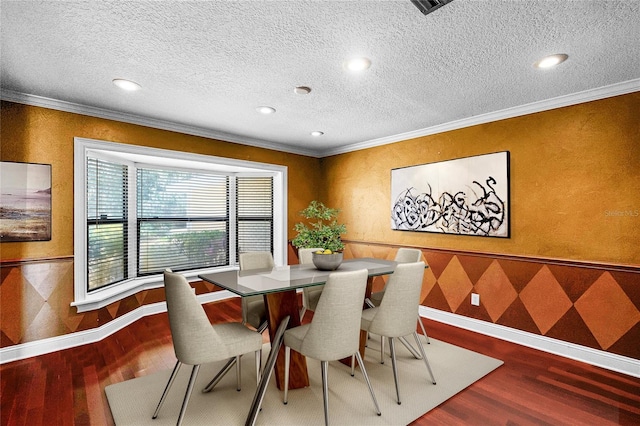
pixel 531 388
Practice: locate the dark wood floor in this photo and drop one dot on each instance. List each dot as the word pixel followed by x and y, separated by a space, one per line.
pixel 532 387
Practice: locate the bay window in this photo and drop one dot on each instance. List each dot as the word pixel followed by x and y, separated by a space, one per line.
pixel 142 210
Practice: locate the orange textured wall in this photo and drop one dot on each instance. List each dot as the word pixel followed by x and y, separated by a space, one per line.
pixel 41 135
pixel 575 183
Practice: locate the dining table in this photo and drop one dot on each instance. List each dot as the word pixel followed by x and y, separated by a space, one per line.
pixel 279 287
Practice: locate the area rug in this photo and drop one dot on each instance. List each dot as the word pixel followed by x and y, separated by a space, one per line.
pixel 132 402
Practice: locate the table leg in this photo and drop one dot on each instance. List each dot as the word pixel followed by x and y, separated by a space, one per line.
pixel 276 344
pixel 280 305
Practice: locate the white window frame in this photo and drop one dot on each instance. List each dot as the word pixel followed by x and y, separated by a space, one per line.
pixel 133 154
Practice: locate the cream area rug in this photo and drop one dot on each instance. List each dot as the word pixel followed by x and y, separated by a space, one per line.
pixel 133 402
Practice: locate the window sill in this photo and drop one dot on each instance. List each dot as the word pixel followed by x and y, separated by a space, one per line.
pixel 101 298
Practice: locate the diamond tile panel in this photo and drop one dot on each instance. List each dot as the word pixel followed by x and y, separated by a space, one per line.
pixel 11 305
pixel 519 273
pixel 495 290
pixel 455 284
pixel 574 281
pixel 437 261
pixel 428 283
pixel 43 278
pixel 545 300
pixel 595 306
pixel 475 266
pixel 607 310
pixel 47 323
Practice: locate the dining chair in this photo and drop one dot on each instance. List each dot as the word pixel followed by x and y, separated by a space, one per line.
pixel 254 311
pixel 397 314
pixel 196 341
pixel 334 331
pixel 403 255
pixel 310 295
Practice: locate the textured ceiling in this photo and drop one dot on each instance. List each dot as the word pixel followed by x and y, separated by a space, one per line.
pixel 205 66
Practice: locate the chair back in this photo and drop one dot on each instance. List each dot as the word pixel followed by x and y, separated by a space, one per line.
pixel 256 260
pixel 253 309
pixel 408 255
pixel 398 311
pixel 194 339
pixel 305 255
pixel 334 332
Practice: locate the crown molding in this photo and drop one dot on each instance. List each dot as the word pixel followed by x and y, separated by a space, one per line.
pixel 531 108
pixel 540 106
pixel 44 102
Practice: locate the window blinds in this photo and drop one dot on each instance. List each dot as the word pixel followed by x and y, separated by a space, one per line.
pixel 106 222
pixel 183 220
pixel 255 214
pixel 180 219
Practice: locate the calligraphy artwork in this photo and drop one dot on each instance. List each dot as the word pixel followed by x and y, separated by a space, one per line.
pixel 465 196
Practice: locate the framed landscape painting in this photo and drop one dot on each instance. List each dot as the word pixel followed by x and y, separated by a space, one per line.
pixel 465 196
pixel 25 201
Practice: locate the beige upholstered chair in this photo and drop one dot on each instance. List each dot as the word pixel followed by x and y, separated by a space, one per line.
pixel 334 331
pixel 310 295
pixel 254 312
pixel 196 341
pixel 396 316
pixel 403 255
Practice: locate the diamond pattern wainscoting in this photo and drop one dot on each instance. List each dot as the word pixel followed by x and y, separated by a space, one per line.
pixel 36 296
pixel 592 305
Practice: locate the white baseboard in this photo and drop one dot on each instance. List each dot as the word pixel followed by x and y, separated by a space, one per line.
pixel 591 356
pixel 66 341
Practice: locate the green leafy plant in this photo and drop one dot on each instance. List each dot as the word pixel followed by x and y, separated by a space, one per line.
pixel 323 232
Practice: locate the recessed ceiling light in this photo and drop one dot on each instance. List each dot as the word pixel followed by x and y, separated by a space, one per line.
pixel 126 84
pixel 358 64
pixel 317 133
pixel 302 90
pixel 265 110
pixel 551 61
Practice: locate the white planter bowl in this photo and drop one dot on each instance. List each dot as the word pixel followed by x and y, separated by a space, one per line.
pixel 327 262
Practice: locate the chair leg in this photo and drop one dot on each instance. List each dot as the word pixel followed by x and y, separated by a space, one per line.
pixel 287 360
pixel 424 332
pixel 353 365
pixel 424 357
pixel 302 312
pixel 324 365
pixel 392 348
pixel 410 348
pixel 366 378
pixel 263 327
pixel 223 371
pixel 238 373
pixel 192 381
pixel 258 357
pixel 381 349
pixel 174 373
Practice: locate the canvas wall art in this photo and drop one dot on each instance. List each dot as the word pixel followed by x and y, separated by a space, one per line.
pixel 465 196
pixel 25 202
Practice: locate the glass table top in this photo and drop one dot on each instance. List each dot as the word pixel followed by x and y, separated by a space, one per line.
pixel 290 277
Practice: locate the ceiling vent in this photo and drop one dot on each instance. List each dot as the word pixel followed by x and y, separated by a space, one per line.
pixel 428 6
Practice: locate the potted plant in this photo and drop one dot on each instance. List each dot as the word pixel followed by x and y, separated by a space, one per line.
pixel 322 230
